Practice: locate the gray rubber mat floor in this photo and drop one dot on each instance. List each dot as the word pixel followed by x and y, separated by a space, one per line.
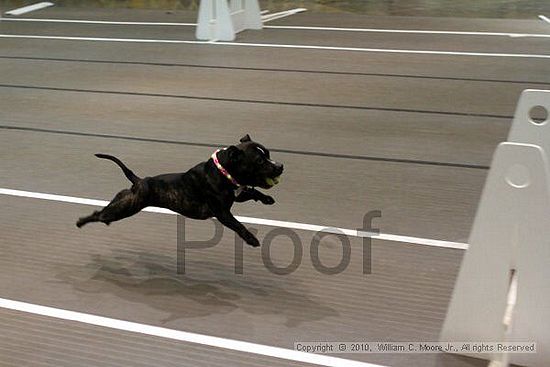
pixel 411 135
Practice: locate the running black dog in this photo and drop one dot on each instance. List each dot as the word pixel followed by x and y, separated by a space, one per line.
pixel 207 190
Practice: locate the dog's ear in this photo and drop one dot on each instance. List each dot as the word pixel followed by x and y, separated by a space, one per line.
pixel 245 139
pixel 233 153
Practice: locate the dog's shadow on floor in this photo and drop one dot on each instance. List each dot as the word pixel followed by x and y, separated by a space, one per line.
pixel 151 279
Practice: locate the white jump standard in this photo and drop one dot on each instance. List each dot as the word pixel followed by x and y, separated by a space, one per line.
pixel 502 292
pixel 221 20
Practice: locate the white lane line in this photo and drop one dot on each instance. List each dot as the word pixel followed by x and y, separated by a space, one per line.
pixel 184 336
pixel 544 18
pixel 282 14
pixel 251 220
pixel 83 21
pixel 29 8
pixel 334 29
pixel 275 45
pixel 411 31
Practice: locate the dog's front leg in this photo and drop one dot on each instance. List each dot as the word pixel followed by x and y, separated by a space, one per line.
pixel 228 220
pixel 253 194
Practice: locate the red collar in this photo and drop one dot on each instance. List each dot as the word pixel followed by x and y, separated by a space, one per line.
pixel 222 170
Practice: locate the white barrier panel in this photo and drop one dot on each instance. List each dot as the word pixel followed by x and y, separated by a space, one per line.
pixel 221 20
pixel 524 129
pixel 509 254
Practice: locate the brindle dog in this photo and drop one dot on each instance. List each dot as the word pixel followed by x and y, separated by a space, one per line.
pixel 207 190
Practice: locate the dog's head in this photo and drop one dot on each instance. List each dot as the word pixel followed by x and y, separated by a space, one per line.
pixel 251 165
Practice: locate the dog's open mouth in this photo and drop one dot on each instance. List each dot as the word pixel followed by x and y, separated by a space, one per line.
pixel 272 181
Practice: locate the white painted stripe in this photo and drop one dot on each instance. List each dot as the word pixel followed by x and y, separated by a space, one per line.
pixel 83 21
pixel 184 336
pixel 282 14
pixel 410 31
pixel 274 45
pixel 544 18
pixel 336 29
pixel 29 8
pixel 251 220
pixel 101 39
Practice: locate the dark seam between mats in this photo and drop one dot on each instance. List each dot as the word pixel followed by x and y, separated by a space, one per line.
pixel 288 151
pixel 280 103
pixel 276 70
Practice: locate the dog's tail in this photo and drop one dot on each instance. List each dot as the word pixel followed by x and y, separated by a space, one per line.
pixel 127 172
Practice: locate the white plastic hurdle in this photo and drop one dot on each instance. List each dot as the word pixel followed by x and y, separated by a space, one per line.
pixel 502 293
pixel 221 20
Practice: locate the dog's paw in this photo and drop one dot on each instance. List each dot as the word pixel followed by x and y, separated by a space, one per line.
pixel 268 200
pixel 253 241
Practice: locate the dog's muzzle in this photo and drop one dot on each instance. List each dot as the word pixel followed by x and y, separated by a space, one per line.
pixel 272 181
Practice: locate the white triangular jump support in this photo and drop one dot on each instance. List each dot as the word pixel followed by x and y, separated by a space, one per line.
pixel 502 293
pixel 221 20
pixel 525 130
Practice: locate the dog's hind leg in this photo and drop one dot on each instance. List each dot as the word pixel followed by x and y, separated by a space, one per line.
pixel 126 203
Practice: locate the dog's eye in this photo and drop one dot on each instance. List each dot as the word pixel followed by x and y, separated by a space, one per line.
pixel 259 159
